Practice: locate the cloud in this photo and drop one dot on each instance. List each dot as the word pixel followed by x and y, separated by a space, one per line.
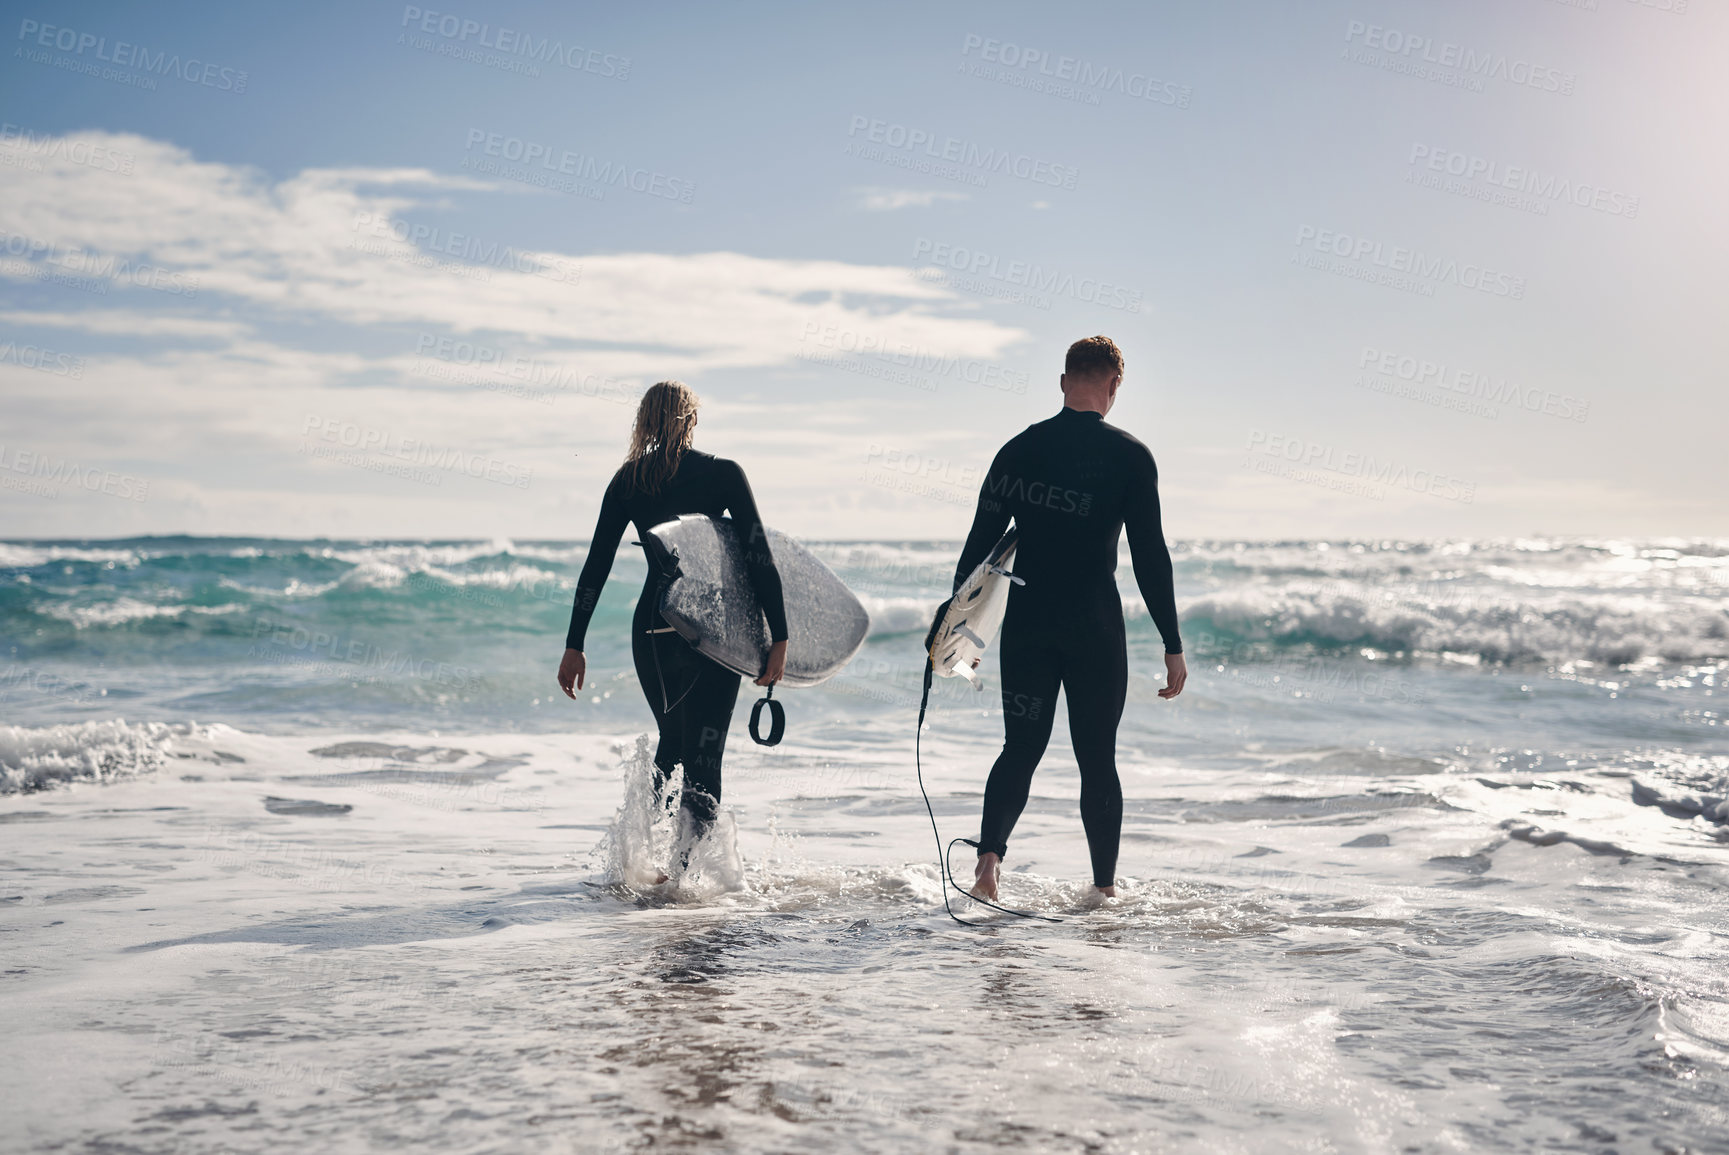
pixel 332 245
pixel 887 200
pixel 214 312
pixel 116 322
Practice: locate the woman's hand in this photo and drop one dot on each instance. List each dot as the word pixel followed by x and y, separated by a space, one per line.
pixel 1176 673
pixel 570 672
pixel 775 668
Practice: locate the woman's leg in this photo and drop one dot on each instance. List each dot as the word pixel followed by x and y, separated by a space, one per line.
pixel 694 716
pixel 706 718
pixel 668 723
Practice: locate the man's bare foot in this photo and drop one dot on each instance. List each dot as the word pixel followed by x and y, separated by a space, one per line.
pixel 661 877
pixel 1107 891
pixel 985 877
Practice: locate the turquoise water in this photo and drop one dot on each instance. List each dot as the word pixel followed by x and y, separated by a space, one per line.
pixel 1526 652
pixel 1428 856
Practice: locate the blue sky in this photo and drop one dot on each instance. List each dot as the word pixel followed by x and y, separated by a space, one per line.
pixel 1379 268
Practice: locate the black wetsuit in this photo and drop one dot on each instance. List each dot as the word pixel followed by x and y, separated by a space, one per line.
pixel 1072 484
pixel 691 696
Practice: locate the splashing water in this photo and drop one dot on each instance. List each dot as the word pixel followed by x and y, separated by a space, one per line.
pixel 650 846
pixel 711 864
pixel 628 847
pixel 106 751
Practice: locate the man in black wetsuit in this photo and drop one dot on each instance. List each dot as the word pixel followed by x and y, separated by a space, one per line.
pixel 1072 484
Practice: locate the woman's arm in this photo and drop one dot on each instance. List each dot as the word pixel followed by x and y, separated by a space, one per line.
pixel 764 577
pixel 601 550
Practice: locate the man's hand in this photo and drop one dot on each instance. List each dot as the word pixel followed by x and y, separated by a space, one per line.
pixel 775 668
pixel 571 670
pixel 1176 673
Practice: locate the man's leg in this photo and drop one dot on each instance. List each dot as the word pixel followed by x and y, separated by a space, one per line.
pixel 1031 674
pixel 1095 682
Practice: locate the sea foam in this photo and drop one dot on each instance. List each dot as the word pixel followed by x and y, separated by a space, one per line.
pixel 649 845
pixel 39 758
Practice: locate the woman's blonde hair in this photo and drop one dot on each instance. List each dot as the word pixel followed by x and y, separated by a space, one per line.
pixel 665 427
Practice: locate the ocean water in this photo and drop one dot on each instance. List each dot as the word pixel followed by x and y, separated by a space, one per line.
pixel 301 845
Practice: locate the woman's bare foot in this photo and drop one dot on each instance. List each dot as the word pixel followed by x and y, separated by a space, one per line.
pixel 1094 897
pixel 985 876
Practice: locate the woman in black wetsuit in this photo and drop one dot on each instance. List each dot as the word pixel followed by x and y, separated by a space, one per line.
pixel 691 696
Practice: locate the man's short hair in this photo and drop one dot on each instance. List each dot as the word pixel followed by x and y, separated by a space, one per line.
pixel 1093 355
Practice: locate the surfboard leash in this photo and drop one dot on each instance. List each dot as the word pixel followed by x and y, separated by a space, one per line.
pixel 654 641
pixel 943 852
pixel 776 720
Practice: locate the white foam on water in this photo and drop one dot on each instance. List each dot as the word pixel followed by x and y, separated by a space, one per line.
pixel 888 559
pixel 372 573
pixel 19 555
pixel 124 609
pixel 706 868
pixel 38 758
pixel 632 854
pixel 420 555
pixel 566 554
pixel 513 576
pixel 650 847
pixel 898 615
pixel 1310 997
pixel 295 589
pixel 1497 625
pixel 114 613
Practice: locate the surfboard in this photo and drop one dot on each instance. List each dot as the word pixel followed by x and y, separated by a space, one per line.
pixel 709 600
pixel 976 611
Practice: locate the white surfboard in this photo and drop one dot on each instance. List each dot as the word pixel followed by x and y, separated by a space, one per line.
pixel 976 612
pixel 709 600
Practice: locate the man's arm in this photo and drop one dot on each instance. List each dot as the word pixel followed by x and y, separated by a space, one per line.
pixel 1148 551
pixel 990 520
